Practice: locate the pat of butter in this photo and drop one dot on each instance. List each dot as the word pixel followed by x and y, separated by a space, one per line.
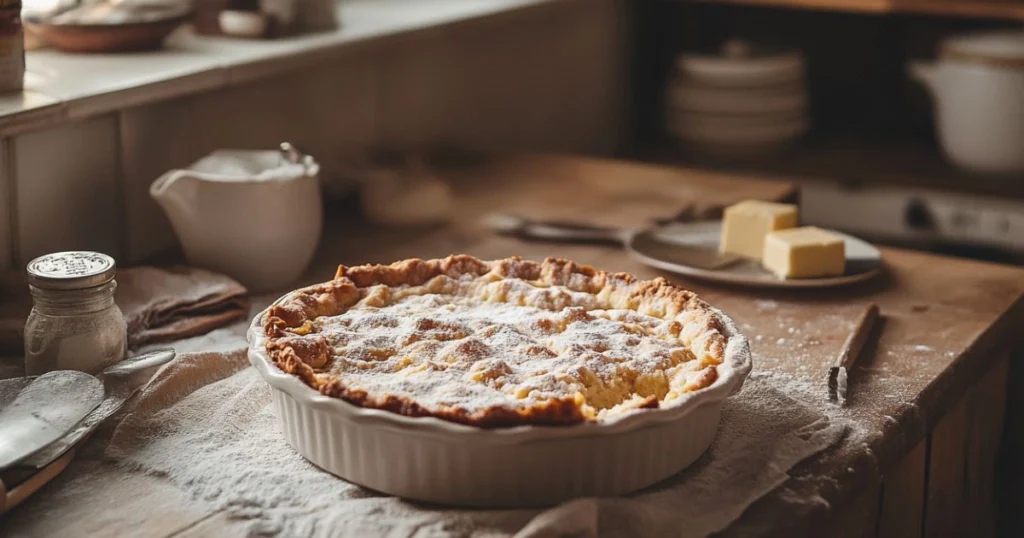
pixel 746 224
pixel 805 252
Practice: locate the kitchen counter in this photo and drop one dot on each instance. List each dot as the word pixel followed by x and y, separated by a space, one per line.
pixel 63 87
pixel 926 402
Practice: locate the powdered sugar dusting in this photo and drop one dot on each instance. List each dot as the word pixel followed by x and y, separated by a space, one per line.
pixel 463 349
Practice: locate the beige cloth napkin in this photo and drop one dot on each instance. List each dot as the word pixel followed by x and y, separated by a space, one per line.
pixel 159 304
pixel 206 423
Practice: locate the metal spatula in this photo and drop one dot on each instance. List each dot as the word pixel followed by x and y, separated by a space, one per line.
pixel 43 410
pixel 121 380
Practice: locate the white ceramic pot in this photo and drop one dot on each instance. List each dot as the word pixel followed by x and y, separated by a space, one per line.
pixel 255 216
pixel 740 64
pixel 977 85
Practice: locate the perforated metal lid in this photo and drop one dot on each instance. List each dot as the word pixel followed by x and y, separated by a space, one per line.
pixel 71 270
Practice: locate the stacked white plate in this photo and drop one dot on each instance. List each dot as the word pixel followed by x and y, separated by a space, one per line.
pixel 744 100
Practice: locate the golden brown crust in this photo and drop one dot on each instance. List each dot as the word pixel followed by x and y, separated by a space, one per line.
pixel 550 413
pixel 295 351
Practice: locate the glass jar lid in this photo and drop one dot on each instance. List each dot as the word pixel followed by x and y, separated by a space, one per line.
pixel 71 270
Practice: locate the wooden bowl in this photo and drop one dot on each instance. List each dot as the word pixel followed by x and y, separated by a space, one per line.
pixel 130 37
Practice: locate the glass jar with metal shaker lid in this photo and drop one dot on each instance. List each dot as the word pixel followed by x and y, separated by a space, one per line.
pixel 74 323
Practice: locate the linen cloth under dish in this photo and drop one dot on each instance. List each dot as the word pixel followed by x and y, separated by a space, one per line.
pixel 207 425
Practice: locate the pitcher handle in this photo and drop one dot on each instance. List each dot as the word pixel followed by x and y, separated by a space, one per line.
pixel 158 190
pixel 159 187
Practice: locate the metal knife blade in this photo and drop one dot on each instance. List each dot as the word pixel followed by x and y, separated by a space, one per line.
pixel 693 244
pixel 681 246
pixel 43 412
pixel 121 381
pixel 553 230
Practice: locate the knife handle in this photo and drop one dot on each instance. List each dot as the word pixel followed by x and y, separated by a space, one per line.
pixel 9 498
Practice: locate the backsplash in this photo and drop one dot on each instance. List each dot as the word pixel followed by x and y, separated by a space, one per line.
pixel 6 200
pixel 66 188
pixel 474 86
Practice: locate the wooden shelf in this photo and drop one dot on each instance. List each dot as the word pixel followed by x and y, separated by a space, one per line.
pixel 983 9
pixel 907 163
pixel 847 6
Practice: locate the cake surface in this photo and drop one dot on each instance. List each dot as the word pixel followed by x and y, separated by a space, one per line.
pixel 495 344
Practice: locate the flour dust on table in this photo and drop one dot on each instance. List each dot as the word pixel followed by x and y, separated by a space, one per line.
pixel 207 425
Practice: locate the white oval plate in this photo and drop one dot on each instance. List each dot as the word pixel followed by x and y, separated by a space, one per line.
pixel 863 260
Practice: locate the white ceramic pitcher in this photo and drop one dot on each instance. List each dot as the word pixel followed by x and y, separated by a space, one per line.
pixel 255 216
pixel 977 84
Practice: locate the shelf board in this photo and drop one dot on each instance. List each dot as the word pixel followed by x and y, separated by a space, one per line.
pixel 846 6
pixel 898 163
pixel 984 9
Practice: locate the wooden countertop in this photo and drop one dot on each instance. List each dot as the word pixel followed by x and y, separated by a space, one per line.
pixel 948 326
pixel 945 319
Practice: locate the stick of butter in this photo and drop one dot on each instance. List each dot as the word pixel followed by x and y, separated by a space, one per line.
pixel 746 224
pixel 805 252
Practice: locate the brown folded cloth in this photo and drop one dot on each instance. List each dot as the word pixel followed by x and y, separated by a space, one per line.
pixel 159 304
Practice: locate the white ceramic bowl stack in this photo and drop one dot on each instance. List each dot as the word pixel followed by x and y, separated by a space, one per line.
pixel 744 101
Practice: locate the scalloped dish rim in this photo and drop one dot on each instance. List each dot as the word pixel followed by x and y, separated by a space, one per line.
pixel 738 364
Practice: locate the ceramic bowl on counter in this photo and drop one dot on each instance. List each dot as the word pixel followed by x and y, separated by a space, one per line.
pixel 743 100
pixel 244 24
pixel 108 26
pixel 977 85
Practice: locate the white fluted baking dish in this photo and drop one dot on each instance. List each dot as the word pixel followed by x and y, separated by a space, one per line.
pixel 433 460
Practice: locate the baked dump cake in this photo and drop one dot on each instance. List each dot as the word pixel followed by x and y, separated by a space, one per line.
pixel 499 343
